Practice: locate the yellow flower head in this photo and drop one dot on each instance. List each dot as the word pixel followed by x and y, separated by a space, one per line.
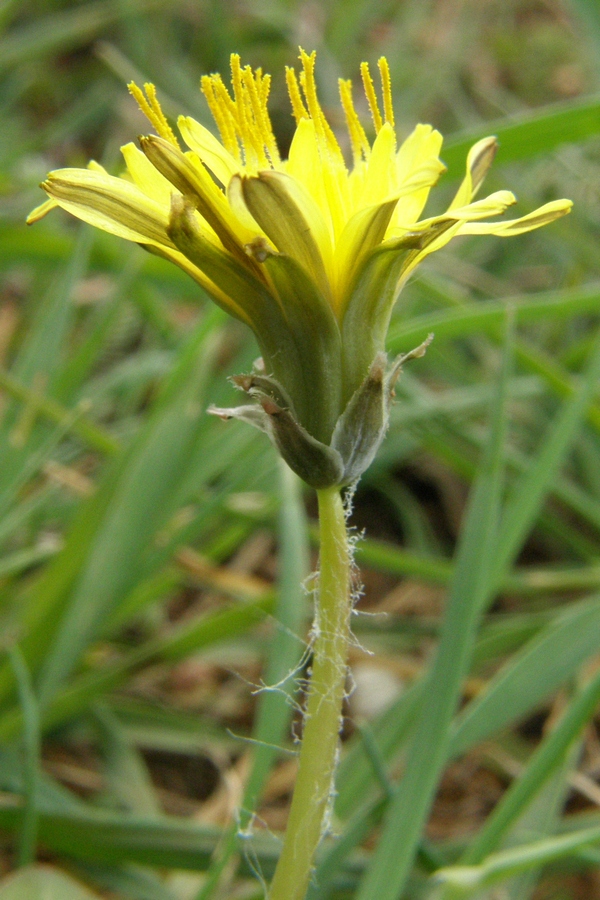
pixel 308 251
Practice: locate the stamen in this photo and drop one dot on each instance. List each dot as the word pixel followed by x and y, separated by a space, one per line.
pixel 248 115
pixel 251 97
pixel 264 89
pixel 298 108
pixel 152 110
pixel 264 84
pixel 253 139
pixel 358 138
pixel 243 121
pixel 236 79
pixel 222 94
pixel 307 80
pixel 239 110
pixel 309 86
pixel 216 95
pixel 264 139
pixel 386 90
pixel 371 96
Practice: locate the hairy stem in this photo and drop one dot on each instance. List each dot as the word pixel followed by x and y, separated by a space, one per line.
pixel 318 753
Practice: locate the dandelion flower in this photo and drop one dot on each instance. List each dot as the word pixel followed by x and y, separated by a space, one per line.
pixel 309 251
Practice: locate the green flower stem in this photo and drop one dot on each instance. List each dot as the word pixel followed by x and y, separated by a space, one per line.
pixel 318 754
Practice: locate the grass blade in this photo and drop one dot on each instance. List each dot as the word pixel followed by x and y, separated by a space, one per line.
pixel 527 496
pixel 31 757
pixel 522 137
pixel 465 880
pixel 530 677
pixel 487 317
pixel 548 756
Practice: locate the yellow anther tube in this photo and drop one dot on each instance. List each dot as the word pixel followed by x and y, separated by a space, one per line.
pixel 358 138
pixel 152 110
pixel 307 80
pixel 386 90
pixel 371 96
pixel 298 108
pixel 217 96
pixel 243 121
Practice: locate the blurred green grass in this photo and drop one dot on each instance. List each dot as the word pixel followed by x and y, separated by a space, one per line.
pixel 122 504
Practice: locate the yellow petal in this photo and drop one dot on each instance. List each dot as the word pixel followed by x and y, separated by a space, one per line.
pixel 96 167
pixel 542 216
pixel 423 143
pixel 479 161
pixel 109 203
pixel 224 269
pixel 304 165
pixel 238 206
pixel 379 182
pixel 418 166
pixel 492 205
pixel 536 219
pixel 356 182
pixel 212 153
pixel 480 158
pixel 443 230
pixel 324 175
pixel 148 179
pixel 40 211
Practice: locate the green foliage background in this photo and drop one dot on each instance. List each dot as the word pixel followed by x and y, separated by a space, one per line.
pixel 121 502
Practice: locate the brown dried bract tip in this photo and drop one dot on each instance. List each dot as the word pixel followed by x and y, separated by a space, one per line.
pixel 243 382
pixel 259 249
pixel 270 407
